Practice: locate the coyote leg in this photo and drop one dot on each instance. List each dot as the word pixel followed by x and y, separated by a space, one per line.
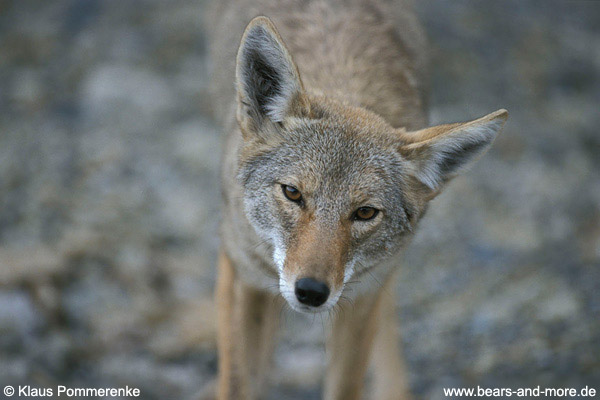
pixel 389 378
pixel 246 325
pixel 349 348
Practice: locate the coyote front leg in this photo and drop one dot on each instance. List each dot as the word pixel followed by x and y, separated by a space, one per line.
pixel 349 347
pixel 389 372
pixel 247 321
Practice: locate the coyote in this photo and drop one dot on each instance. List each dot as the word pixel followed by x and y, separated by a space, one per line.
pixel 328 167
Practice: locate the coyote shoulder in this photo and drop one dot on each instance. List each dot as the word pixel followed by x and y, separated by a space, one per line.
pixel 327 169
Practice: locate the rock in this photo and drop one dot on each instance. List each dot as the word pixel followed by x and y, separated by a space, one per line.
pixel 109 204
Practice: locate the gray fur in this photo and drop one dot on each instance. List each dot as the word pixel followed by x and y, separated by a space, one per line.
pixel 331 133
pixel 315 152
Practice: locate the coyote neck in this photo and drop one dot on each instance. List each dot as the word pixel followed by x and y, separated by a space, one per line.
pixel 357 56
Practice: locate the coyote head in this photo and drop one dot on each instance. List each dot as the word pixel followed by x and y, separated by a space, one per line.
pixel 334 188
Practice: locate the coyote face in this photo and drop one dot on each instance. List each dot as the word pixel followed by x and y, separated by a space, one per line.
pixel 333 188
pixel 331 197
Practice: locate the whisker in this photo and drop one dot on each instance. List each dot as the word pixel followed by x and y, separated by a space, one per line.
pixel 324 333
pixel 260 243
pixel 379 283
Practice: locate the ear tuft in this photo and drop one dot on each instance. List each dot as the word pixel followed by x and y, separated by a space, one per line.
pixel 267 80
pixel 439 153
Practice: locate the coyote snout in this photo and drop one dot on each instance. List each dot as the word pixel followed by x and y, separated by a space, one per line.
pixel 312 278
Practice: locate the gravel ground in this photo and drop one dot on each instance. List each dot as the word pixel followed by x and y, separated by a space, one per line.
pixel 109 203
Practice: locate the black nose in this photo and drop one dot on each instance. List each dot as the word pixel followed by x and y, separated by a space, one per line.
pixel 311 292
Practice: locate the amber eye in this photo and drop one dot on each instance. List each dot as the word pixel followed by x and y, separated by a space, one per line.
pixel 365 213
pixel 291 193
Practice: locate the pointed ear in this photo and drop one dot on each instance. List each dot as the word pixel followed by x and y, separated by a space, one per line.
pixel 267 80
pixel 438 153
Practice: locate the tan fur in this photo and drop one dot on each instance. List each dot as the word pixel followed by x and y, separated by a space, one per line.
pixel 349 347
pixel 390 381
pixel 421 137
pixel 324 38
pixel 249 313
pixel 350 80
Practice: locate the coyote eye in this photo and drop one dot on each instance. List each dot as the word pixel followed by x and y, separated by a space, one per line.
pixel 291 193
pixel 365 213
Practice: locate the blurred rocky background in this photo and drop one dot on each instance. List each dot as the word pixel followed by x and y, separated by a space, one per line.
pixel 109 203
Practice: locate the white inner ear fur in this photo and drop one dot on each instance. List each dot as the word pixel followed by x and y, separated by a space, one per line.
pixel 260 41
pixel 454 151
